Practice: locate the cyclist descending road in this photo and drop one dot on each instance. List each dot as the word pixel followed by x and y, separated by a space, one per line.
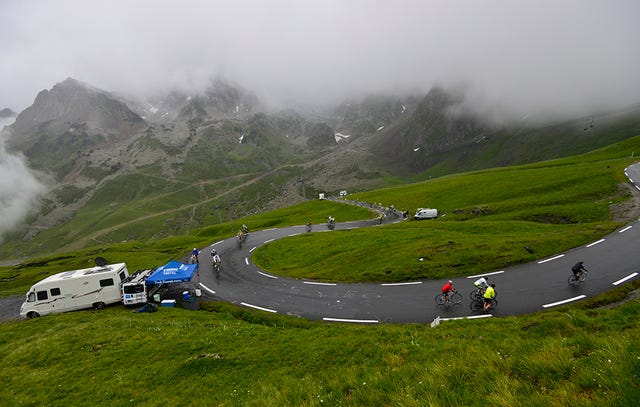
pixel 216 262
pixel 579 273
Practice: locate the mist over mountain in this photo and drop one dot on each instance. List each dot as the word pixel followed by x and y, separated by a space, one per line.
pixel 538 58
pixel 100 151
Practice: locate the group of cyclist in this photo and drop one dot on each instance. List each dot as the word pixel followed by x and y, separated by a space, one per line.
pixel 488 291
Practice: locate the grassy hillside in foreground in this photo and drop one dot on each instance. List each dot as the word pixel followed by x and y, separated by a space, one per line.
pixel 238 358
pixel 487 220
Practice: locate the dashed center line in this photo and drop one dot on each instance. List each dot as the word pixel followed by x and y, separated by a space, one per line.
pixel 553 304
pixel 553 258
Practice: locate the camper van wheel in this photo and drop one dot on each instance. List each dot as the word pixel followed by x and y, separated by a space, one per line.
pixel 32 314
pixel 99 305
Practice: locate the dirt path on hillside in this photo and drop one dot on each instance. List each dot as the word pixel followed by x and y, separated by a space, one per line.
pixel 81 242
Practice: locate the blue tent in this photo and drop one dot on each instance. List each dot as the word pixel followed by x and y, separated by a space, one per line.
pixel 172 272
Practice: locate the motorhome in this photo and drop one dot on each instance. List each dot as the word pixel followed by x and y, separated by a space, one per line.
pixel 94 287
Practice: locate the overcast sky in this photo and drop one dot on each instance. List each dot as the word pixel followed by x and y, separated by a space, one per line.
pixel 523 56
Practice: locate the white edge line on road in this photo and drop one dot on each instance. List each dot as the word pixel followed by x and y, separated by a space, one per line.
pixel 314 283
pixel 358 321
pixel 206 288
pixel 637 187
pixel 267 275
pixel 553 258
pixel 553 304
pixel 625 229
pixel 256 307
pixel 266 230
pixel 595 243
pixel 469 317
pixel 246 260
pixel 409 283
pixel 486 274
pixel 622 280
pixel 293 234
pixel 218 242
pixel 268 241
pixel 252 249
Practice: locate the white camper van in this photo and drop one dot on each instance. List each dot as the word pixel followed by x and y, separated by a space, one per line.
pixel 93 287
pixel 425 213
pixel 134 288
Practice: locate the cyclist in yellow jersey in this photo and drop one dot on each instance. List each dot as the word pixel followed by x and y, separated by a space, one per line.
pixel 489 295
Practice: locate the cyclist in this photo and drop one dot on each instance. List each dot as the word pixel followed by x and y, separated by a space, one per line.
pixel 578 269
pixel 215 259
pixel 309 226
pixel 245 229
pixel 489 295
pixel 448 289
pixel 194 255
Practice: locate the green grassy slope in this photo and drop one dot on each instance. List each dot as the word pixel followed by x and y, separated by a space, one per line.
pixel 486 220
pixel 230 357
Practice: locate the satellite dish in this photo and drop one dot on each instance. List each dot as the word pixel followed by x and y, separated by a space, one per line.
pixel 101 261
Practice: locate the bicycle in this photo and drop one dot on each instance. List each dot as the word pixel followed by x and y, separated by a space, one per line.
pixel 479 305
pixel 577 278
pixel 217 268
pixel 454 299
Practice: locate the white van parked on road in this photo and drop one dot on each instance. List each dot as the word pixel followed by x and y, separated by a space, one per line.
pixel 94 287
pixel 426 213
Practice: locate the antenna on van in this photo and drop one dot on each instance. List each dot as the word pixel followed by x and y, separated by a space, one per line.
pixel 100 261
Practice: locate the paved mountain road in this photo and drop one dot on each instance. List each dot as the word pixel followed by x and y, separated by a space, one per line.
pixel 521 289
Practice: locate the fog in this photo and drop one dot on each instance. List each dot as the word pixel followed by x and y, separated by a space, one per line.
pixel 19 187
pixel 513 57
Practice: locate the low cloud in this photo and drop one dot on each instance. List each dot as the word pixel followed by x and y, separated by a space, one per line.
pixel 20 188
pixel 514 57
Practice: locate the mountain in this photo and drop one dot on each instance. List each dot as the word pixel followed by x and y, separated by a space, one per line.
pixel 124 169
pixel 7 113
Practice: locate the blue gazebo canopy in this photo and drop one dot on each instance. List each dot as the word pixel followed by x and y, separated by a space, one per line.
pixel 172 272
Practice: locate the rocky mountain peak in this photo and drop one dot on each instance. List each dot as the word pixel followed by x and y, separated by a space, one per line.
pixel 7 113
pixel 72 101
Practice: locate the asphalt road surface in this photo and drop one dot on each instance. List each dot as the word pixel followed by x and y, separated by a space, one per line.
pixel 522 289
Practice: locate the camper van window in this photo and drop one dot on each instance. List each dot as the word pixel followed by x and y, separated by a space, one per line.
pixel 54 292
pixel 133 289
pixel 42 295
pixel 107 282
pixel 122 276
pixel 31 297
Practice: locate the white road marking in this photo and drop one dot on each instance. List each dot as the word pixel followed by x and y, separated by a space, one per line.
pixel 252 249
pixel 266 230
pixel 218 242
pixel 622 280
pixel 625 229
pixel 268 241
pixel 409 283
pixel 314 283
pixel 267 275
pixel 256 307
pixel 486 274
pixel 293 234
pixel 246 260
pixel 206 288
pixel 469 317
pixel 361 321
pixel 553 258
pixel 595 243
pixel 553 304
